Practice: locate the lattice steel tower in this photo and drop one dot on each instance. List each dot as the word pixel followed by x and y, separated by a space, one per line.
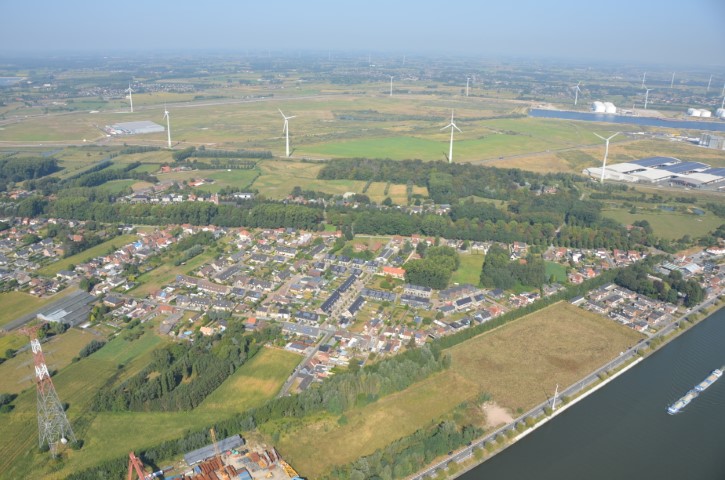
pixel 53 425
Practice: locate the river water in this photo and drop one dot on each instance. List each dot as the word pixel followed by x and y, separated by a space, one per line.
pixel 623 431
pixel 711 125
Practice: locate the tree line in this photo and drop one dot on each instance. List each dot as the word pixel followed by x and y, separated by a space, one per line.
pixel 405 456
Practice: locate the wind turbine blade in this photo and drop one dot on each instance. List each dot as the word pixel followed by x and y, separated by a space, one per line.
pixel 293 116
pixel 454 126
pixel 448 126
pixel 613 135
pixel 599 136
pixel 280 112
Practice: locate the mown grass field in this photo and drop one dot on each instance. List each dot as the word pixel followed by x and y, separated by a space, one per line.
pixel 16 304
pixel 557 270
pixel 84 256
pixel 520 363
pixel 469 270
pixel 17 374
pixel 669 225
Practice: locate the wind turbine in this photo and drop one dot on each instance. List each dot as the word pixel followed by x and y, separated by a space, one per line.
pixel 285 129
pixel 672 82
pixel 468 79
pixel 644 75
pixel 646 97
pixel 576 92
pixel 168 125
pixel 708 84
pixel 391 85
pixel 130 95
pixel 452 126
pixel 606 151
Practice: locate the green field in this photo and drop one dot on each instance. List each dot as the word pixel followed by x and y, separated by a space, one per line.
pixel 16 304
pixel 469 271
pixel 669 225
pixel 84 256
pixel 557 270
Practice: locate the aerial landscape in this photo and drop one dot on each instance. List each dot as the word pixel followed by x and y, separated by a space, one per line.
pixel 355 240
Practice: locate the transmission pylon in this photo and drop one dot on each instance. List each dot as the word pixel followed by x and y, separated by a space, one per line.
pixel 53 425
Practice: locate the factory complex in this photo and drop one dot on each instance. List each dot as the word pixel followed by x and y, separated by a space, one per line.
pixel 663 170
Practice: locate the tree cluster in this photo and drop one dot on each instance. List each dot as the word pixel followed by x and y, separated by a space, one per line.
pixel 641 278
pixel 435 269
pixel 498 271
pixel 19 169
pixel 182 375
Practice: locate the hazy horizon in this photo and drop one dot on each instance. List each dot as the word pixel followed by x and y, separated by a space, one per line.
pixel 645 32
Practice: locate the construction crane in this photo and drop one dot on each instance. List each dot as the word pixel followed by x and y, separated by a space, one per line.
pixel 135 464
pixel 218 454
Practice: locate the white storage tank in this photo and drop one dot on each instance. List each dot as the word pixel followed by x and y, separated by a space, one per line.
pixel 720 112
pixel 609 107
pixel 705 113
pixel 598 107
pixel 693 112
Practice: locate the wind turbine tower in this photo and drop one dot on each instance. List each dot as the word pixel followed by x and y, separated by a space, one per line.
pixel 130 95
pixel 391 85
pixel 468 79
pixel 606 152
pixel 576 93
pixel 672 82
pixel 646 97
pixel 285 129
pixel 53 425
pixel 644 75
pixel 452 126
pixel 168 125
pixel 708 84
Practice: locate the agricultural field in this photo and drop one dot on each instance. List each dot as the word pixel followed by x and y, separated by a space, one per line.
pixel 84 256
pixel 669 225
pixel 520 363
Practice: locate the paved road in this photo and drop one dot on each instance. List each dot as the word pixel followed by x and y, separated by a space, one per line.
pixel 285 388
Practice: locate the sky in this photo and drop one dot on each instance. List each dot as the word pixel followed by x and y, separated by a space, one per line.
pixel 684 32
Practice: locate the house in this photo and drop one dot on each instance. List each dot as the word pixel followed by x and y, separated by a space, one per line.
pixel 394 272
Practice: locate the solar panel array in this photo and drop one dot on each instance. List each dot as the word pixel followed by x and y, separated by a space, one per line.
pixel 684 167
pixel 720 172
pixel 654 161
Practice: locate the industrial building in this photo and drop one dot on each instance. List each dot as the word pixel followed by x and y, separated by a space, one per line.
pixel 134 128
pixel 699 112
pixel 661 170
pixel 712 141
pixel 73 309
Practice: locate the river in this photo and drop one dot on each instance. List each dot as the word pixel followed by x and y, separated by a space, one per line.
pixel 711 125
pixel 623 430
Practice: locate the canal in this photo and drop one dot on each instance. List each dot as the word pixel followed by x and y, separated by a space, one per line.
pixel 711 125
pixel 624 431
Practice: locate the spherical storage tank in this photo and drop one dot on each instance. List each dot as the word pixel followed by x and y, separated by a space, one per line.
pixel 609 107
pixel 598 107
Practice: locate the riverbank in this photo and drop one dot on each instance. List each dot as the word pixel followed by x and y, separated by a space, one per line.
pixel 502 438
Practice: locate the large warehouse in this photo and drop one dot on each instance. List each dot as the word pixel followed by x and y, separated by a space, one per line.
pixel 134 128
pixel 661 170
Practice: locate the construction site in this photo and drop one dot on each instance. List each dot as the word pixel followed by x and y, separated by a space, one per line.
pixel 226 459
